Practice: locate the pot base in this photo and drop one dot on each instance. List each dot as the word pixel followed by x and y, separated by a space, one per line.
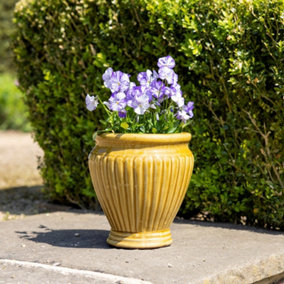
pixel 141 240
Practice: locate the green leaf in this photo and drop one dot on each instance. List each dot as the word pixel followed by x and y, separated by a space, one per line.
pixel 172 129
pixel 95 135
pixel 124 125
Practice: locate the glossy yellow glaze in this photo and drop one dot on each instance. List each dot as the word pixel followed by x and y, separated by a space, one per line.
pixel 140 181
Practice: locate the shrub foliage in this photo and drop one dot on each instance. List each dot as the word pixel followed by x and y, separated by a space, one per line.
pixel 6 30
pixel 229 55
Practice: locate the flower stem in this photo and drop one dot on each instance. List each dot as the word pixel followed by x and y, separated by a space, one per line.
pixel 104 106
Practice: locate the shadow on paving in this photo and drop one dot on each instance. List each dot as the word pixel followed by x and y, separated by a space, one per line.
pixel 26 200
pixel 69 238
pixel 229 226
pixel 93 238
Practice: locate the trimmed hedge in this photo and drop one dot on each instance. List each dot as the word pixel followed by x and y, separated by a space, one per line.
pixel 6 30
pixel 230 57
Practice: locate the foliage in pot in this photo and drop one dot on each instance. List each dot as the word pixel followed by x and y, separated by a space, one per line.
pixel 140 178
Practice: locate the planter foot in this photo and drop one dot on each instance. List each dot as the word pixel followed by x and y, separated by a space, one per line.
pixel 141 240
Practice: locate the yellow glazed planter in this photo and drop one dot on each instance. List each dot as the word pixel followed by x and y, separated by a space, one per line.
pixel 140 181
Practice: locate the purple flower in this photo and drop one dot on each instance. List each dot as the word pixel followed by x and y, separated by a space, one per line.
pixel 107 76
pixel 122 113
pixel 175 79
pixel 118 82
pixel 182 115
pixel 145 78
pixel 141 104
pixel 166 61
pixel 167 92
pixel 176 88
pixel 129 91
pixel 189 108
pixel 117 102
pixel 155 75
pixel 91 102
pixel 156 89
pixel 166 73
pixel 135 92
pixel 178 99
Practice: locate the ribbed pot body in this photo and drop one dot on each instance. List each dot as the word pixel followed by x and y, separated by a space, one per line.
pixel 140 181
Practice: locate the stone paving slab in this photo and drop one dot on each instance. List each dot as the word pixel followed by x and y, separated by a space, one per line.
pixel 200 253
pixel 12 272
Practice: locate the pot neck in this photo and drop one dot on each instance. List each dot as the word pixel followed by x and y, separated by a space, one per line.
pixel 118 139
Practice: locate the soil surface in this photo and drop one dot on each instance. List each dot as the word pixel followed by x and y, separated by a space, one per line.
pixel 20 180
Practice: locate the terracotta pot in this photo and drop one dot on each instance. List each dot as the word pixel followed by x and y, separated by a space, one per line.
pixel 140 181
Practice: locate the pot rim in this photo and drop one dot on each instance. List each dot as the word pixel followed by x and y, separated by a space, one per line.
pixel 144 138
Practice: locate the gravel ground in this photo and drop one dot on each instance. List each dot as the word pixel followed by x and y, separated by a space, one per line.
pixel 18 160
pixel 20 181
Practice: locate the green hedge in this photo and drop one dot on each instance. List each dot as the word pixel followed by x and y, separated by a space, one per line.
pixel 6 30
pixel 229 55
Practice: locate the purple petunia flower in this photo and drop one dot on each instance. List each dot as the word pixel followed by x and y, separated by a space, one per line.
pixel 166 73
pixel 91 102
pixel 117 102
pixel 118 82
pixel 166 61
